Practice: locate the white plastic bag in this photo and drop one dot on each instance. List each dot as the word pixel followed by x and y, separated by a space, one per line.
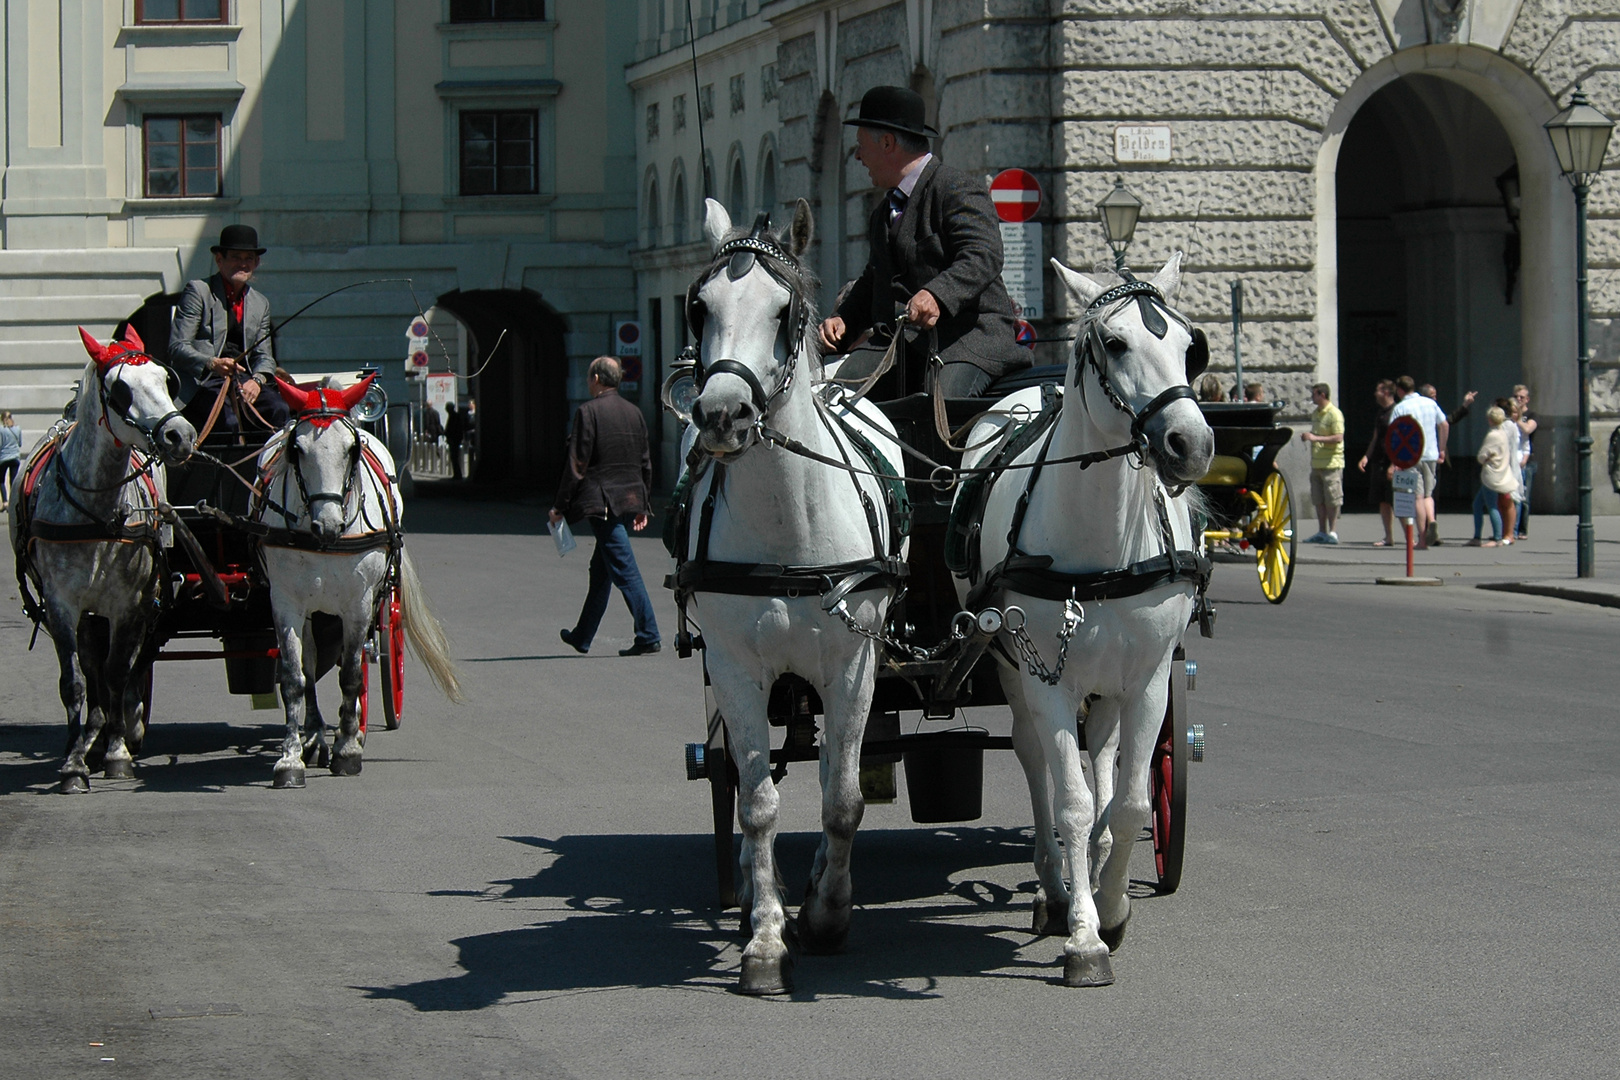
pixel 564 536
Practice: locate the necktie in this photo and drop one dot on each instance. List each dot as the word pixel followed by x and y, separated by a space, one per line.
pixel 897 209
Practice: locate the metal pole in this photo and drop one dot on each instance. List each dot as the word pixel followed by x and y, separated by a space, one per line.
pixel 1237 334
pixel 1119 257
pixel 1583 438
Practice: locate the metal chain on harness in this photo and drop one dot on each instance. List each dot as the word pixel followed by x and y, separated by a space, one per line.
pixel 906 649
pixel 1073 615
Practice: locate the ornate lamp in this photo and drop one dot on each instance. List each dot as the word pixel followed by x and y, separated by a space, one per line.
pixel 1119 211
pixel 1580 137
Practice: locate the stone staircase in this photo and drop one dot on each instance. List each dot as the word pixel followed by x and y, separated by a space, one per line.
pixel 44 297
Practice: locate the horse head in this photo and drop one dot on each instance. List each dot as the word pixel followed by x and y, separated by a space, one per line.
pixel 1134 360
pixel 323 453
pixel 135 397
pixel 749 313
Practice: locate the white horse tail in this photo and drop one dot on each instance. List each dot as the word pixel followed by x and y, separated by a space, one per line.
pixel 426 633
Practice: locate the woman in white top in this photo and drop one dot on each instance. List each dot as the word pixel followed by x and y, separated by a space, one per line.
pixel 1497 485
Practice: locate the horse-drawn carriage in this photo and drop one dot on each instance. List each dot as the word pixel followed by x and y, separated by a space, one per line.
pixel 1251 507
pixel 845 560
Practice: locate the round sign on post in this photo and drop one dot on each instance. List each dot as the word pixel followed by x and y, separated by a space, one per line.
pixel 1404 442
pixel 1024 334
pixel 1016 194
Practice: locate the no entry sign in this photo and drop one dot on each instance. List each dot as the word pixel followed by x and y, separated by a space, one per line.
pixel 1404 442
pixel 1017 195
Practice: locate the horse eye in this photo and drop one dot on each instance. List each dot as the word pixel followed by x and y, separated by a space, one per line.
pixel 1114 344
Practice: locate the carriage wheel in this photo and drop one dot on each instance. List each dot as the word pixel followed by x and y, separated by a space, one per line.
pixel 1275 558
pixel 391 632
pixel 1167 785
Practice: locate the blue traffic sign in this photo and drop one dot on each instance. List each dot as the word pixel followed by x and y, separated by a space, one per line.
pixel 1404 442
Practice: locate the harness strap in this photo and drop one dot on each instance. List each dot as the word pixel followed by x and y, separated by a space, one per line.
pixel 1031 575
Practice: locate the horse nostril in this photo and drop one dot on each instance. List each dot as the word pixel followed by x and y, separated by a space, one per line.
pixel 1178 444
pixel 745 413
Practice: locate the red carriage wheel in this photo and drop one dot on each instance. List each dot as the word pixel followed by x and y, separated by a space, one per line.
pixel 1167 786
pixel 391 632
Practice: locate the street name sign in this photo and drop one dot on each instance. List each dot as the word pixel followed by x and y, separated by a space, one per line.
pixel 1141 143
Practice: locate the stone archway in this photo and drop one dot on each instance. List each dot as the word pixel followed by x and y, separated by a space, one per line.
pixel 1546 281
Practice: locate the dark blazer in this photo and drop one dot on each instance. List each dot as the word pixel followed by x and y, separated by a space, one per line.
pixel 609 470
pixel 201 322
pixel 949 242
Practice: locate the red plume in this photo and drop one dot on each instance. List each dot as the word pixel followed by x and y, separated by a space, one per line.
pixel 133 340
pixel 297 400
pixel 97 351
pixel 351 396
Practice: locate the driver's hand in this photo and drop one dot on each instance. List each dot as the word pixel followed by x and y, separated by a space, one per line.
pixel 922 309
pixel 831 333
pixel 222 365
pixel 250 390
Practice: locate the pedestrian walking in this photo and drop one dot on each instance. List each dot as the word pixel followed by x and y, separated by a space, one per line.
pixel 455 429
pixel 1375 463
pixel 608 483
pixel 10 456
pixel 1495 479
pixel 1326 439
pixel 1432 420
pixel 1527 428
pixel 1452 418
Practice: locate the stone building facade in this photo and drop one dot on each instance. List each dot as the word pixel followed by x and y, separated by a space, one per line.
pixel 479 148
pixel 1348 160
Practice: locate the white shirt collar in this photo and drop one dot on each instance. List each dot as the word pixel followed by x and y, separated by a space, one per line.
pixel 908 181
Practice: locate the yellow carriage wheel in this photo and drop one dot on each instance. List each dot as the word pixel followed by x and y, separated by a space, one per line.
pixel 1274 520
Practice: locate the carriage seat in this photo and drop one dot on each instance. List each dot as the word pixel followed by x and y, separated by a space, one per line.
pixel 1024 378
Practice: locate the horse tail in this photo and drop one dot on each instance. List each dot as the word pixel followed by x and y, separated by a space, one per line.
pixel 426 633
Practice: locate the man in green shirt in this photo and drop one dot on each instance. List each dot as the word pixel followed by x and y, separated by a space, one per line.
pixel 1327 463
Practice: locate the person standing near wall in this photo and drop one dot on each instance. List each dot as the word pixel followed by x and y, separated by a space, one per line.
pixel 1375 463
pixel 455 429
pixel 1527 428
pixel 1326 439
pixel 10 456
pixel 1436 431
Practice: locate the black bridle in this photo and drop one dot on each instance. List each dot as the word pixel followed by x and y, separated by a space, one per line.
pixel 295 464
pixel 118 398
pixel 1152 307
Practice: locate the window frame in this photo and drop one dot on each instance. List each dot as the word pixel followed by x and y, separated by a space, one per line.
pixel 183 118
pixel 536 138
pixel 142 20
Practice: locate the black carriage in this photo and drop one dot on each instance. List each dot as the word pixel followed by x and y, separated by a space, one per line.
pixel 1252 509
pixel 944 768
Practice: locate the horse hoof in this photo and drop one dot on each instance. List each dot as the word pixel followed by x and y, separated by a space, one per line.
pixel 346 766
pixel 120 769
pixel 289 778
pixel 311 752
pixel 763 978
pixel 1113 935
pixel 73 784
pixel 822 942
pixel 1087 970
pixel 1051 920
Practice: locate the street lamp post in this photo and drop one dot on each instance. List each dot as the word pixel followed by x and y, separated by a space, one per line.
pixel 1580 137
pixel 1119 211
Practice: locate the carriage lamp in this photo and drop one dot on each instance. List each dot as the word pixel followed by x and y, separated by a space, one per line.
pixel 680 387
pixel 1119 211
pixel 1580 136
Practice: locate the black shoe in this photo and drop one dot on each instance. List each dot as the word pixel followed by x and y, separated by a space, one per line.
pixel 569 639
pixel 638 649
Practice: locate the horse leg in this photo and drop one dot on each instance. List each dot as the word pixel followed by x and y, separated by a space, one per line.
pixel 1053 709
pixel 1051 915
pixel 124 640
pixel 1141 718
pixel 316 752
pixel 347 748
pixel 1102 739
pixel 63 627
pixel 289 771
pixel 767 967
pixel 824 915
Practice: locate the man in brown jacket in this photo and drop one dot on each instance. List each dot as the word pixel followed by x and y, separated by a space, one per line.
pixel 607 483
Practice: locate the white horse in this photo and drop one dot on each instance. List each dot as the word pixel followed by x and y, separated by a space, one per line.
pixel 775 540
pixel 1110 494
pixel 334 551
pixel 89 540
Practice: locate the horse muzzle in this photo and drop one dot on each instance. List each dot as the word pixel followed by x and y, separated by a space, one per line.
pixel 1180 444
pixel 725 422
pixel 175 439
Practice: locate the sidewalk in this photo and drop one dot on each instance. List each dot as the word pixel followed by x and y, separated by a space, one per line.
pixel 1543 564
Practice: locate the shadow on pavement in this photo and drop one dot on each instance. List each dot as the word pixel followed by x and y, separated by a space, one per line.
pixel 174 757
pixel 461 516
pixel 644 914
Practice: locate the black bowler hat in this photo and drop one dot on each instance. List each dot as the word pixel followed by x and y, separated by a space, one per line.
pixel 238 238
pixel 894 108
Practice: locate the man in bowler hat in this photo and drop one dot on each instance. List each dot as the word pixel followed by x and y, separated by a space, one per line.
pixel 935 252
pixel 222 331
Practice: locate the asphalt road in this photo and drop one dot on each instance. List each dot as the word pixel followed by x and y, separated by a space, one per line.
pixel 1404 847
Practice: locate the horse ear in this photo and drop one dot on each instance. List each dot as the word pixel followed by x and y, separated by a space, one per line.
pixel 1168 279
pixel 1084 289
pixel 133 340
pixel 716 223
pixel 350 396
pixel 97 351
pixel 803 229
pixel 297 400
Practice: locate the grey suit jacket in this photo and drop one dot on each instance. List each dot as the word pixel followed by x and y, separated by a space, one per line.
pixel 949 242
pixel 200 325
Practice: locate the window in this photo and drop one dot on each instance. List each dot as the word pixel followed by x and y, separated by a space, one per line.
pixel 496 10
pixel 498 153
pixel 653 224
pixel 739 99
pixel 179 11
pixel 677 110
pixel 652 122
pixel 767 184
pixel 677 209
pixel 182 157
pixel 737 196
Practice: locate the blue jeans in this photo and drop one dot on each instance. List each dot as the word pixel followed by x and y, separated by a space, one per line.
pixel 1524 507
pixel 613 563
pixel 1485 501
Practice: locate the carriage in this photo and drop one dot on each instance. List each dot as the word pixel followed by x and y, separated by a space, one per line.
pixel 1252 507
pixel 944 765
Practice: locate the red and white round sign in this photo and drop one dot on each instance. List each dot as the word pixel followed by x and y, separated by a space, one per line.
pixel 1017 195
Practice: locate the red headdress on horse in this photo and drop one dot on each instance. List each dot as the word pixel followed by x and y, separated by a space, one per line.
pixel 324 405
pixel 131 350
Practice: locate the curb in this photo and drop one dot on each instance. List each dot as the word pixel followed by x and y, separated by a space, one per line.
pixel 1557 590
